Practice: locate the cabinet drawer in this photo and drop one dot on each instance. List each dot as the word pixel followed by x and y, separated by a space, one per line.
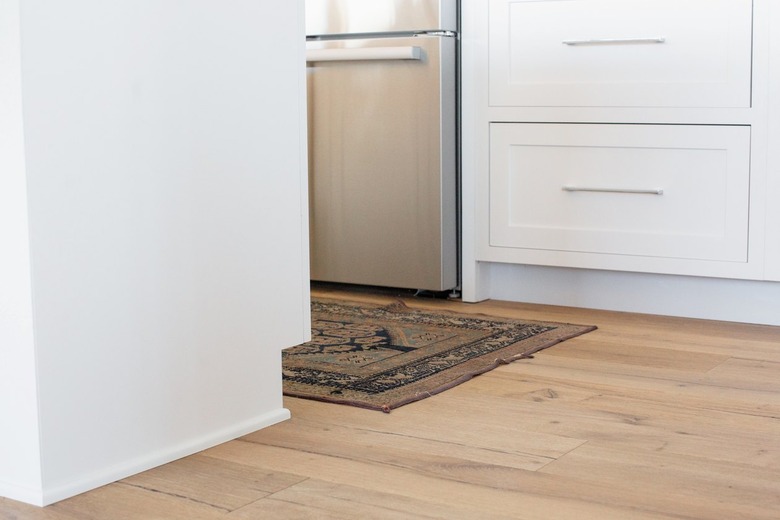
pixel 671 191
pixel 620 53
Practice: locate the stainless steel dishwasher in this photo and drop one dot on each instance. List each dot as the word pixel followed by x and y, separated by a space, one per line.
pixel 382 142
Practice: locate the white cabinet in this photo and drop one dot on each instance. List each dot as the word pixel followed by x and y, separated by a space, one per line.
pixel 646 190
pixel 623 53
pixel 620 135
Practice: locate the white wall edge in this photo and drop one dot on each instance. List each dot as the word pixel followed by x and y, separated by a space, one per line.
pixel 475 276
pixel 20 462
pixel 303 141
pixel 52 494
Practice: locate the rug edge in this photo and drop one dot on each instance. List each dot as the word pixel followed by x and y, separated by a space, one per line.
pixel 463 378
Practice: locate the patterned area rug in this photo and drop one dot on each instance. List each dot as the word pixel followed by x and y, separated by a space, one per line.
pixel 382 357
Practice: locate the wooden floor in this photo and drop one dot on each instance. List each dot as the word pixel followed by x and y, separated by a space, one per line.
pixel 646 418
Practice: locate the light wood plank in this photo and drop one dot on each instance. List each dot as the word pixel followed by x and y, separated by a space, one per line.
pixel 425 422
pixel 635 423
pixel 609 348
pixel 671 386
pixel 315 499
pixel 123 502
pixel 12 510
pixel 762 375
pixel 223 485
pixel 473 491
pixel 392 446
pixel 647 417
pixel 679 485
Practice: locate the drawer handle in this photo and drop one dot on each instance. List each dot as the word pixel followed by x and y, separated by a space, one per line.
pixel 651 191
pixel 614 41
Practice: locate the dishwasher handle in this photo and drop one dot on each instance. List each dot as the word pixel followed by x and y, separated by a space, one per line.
pixel 364 54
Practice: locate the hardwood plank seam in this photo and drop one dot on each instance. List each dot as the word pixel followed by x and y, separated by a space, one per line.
pixel 561 456
pixel 175 495
pixel 343 500
pixel 414 470
pixel 419 438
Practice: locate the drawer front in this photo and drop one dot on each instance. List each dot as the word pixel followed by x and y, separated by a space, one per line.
pixel 669 191
pixel 620 53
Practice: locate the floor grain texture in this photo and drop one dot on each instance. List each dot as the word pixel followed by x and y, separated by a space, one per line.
pixel 647 417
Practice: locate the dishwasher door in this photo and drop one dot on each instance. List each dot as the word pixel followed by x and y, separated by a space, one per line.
pixel 382 161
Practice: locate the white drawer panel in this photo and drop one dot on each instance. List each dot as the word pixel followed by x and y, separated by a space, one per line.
pixel 672 191
pixel 620 53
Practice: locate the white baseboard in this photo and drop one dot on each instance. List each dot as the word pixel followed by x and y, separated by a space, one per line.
pixel 74 487
pixel 20 494
pixel 743 301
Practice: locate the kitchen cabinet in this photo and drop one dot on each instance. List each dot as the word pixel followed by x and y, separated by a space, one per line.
pixel 672 191
pixel 620 136
pixel 644 53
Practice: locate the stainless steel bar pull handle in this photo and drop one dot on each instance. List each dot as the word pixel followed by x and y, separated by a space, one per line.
pixel 365 54
pixel 614 41
pixel 650 191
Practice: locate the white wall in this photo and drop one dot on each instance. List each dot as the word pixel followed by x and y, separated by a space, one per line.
pixel 163 147
pixel 20 471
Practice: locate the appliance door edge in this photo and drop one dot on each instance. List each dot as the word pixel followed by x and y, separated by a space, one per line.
pixel 325 17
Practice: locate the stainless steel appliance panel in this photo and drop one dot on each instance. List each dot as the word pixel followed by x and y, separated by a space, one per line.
pixel 382 162
pixel 379 16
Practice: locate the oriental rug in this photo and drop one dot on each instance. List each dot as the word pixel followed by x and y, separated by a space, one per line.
pixel 384 356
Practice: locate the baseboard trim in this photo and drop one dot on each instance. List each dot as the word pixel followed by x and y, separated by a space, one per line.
pixel 59 492
pixel 21 494
pixel 742 301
